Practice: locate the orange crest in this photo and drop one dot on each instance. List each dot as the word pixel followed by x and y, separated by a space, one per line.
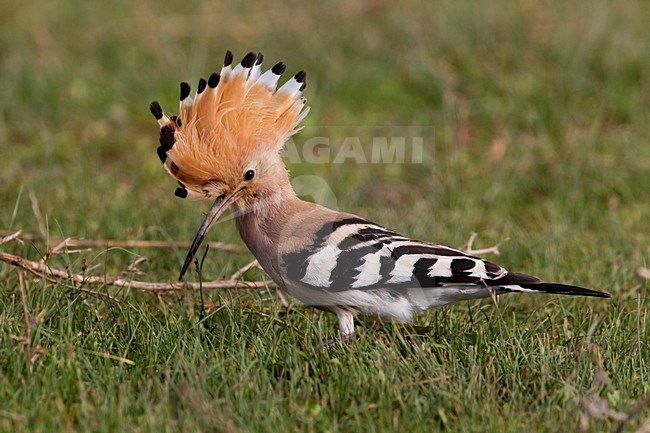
pixel 235 115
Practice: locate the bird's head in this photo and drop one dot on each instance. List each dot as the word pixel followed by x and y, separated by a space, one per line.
pixel 225 142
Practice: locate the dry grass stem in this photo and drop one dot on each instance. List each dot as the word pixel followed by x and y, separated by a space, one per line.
pixel 241 271
pixel 42 228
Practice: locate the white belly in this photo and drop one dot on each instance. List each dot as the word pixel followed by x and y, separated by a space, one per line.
pixel 389 305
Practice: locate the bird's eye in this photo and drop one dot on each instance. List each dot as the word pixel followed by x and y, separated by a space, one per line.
pixel 249 175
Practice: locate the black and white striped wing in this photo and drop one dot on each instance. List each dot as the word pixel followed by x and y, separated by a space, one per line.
pixel 357 254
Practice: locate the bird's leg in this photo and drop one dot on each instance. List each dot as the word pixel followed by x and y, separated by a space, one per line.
pixel 346 323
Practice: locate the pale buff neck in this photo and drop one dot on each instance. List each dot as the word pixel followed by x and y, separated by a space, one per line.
pixel 260 218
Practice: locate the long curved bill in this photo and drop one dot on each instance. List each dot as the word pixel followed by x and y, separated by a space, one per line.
pixel 220 205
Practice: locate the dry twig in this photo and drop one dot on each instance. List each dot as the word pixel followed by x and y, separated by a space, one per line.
pixel 42 269
pixel 121 243
pixel 468 247
pixel 11 237
pixel 133 266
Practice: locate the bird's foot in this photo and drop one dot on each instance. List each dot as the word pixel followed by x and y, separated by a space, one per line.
pixel 344 339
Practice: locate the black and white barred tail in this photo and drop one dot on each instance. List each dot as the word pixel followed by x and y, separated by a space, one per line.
pixel 553 288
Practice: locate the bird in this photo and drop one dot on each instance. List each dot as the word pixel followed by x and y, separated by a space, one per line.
pixel 225 145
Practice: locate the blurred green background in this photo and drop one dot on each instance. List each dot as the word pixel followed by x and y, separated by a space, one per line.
pixel 535 122
pixel 533 107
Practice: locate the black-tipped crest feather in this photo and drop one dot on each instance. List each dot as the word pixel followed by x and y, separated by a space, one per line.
pixel 248 60
pixel 227 61
pixel 156 110
pixel 185 90
pixel 201 86
pixel 279 68
pixel 213 81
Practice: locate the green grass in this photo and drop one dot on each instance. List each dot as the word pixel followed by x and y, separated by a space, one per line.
pixel 535 121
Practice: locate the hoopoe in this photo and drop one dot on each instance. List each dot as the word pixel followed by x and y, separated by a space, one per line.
pixel 225 145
